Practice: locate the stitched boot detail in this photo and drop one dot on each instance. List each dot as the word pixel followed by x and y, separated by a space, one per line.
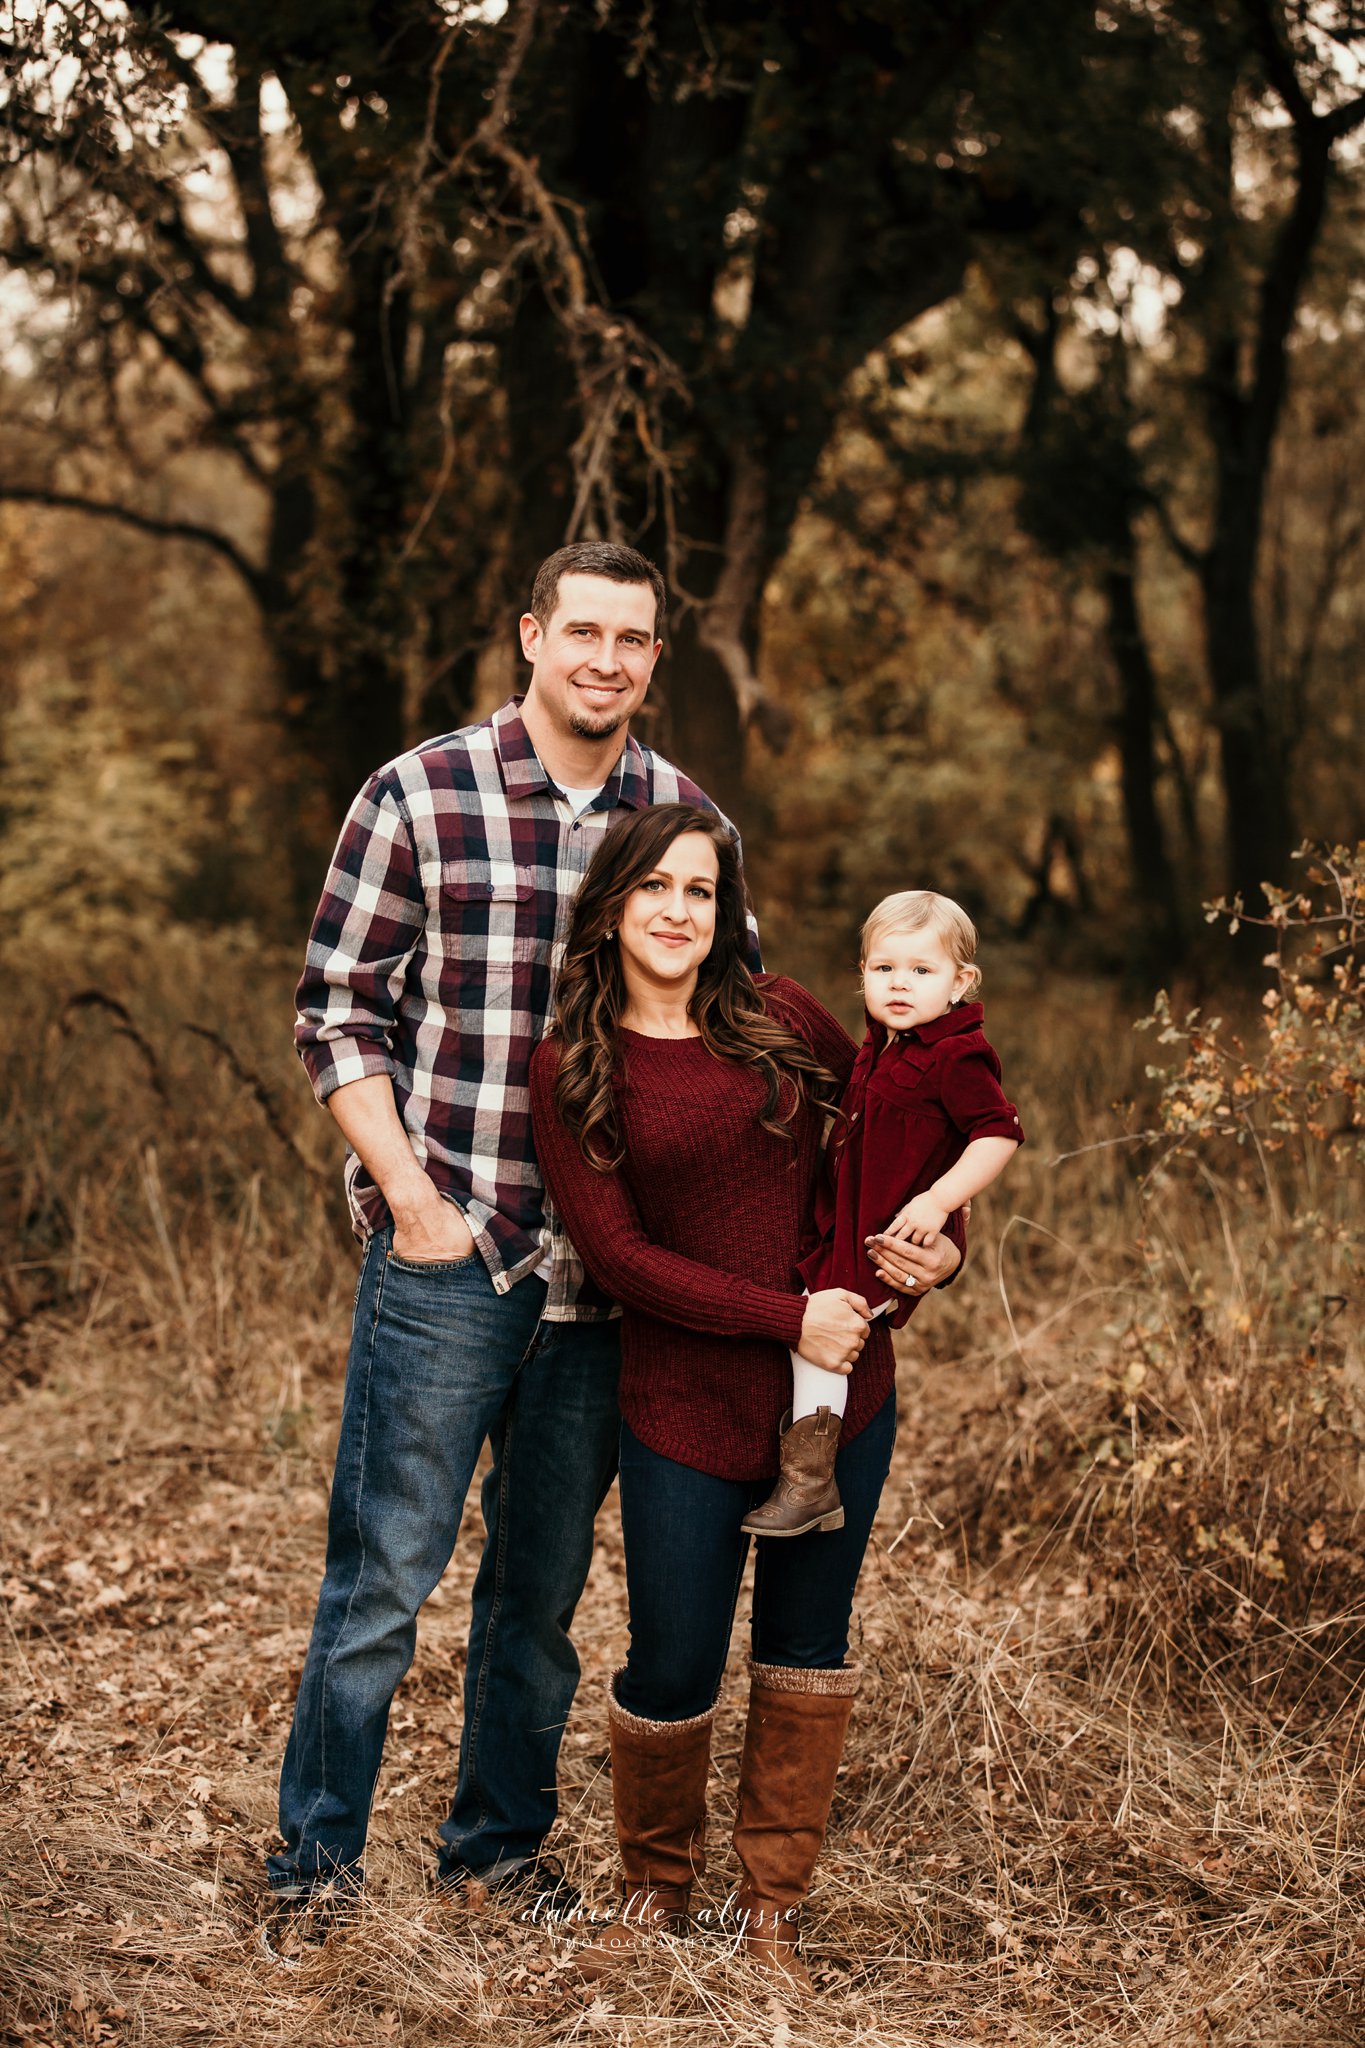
pixel 805 1496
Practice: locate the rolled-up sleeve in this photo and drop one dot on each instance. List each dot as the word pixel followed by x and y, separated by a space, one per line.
pixel 972 1095
pixel 368 925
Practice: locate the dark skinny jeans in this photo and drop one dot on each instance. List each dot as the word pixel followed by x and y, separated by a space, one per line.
pixel 685 1554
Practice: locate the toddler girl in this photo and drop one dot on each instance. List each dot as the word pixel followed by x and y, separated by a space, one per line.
pixel 923 1127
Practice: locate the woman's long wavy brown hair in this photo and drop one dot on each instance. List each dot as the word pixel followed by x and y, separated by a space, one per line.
pixel 726 1005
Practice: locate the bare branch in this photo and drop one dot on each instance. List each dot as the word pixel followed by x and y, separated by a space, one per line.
pixel 1342 120
pixel 142 522
pixel 238 131
pixel 1344 538
pixel 1280 66
pixel 155 308
pixel 720 619
pixel 611 356
pixel 1282 71
pixel 446 467
pixel 1185 552
pixel 491 127
pixel 173 229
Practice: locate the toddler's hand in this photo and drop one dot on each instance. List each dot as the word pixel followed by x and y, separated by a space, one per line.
pixel 919 1222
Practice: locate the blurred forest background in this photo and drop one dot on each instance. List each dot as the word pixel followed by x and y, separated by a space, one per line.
pixel 986 378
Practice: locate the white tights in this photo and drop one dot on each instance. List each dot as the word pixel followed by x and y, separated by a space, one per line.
pixel 814 1388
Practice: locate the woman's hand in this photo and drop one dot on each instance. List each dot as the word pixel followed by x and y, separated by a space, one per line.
pixel 833 1329
pixel 913 1268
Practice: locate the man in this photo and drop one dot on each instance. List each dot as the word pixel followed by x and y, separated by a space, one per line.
pixel 427 986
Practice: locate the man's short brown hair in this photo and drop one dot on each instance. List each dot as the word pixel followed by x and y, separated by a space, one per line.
pixel 596 558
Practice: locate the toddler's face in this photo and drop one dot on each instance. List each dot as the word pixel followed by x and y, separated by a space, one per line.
pixel 911 978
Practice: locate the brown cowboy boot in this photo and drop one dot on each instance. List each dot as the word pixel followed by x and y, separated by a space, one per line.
pixel 805 1497
pixel 793 1741
pixel 658 1788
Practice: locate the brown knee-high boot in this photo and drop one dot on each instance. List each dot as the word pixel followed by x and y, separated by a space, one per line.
pixel 792 1745
pixel 658 1788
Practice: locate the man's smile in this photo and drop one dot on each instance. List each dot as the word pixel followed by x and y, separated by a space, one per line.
pixel 598 695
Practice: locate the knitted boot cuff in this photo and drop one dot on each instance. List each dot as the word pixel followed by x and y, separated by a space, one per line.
pixel 637 1723
pixel 799 1678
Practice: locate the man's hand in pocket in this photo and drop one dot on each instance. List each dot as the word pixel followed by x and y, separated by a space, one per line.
pixel 433 1234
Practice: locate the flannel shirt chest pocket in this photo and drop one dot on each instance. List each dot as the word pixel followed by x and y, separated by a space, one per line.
pixel 489 918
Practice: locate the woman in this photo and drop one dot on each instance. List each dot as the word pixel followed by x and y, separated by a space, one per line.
pixel 679 1108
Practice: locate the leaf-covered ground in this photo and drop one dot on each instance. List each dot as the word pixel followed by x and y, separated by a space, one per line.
pixel 1104 1781
pixel 1026 1846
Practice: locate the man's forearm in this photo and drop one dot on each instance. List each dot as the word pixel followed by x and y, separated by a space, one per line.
pixel 367 1114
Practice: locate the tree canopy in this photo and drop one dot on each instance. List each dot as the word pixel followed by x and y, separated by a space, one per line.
pixel 379 304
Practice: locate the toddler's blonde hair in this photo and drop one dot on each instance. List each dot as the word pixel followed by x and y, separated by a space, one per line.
pixel 910 910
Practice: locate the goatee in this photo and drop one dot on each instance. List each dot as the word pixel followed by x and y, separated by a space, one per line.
pixel 585 728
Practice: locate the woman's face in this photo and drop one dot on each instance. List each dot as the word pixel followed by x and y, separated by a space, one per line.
pixel 668 922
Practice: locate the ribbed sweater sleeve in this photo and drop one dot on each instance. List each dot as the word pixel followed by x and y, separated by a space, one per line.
pixel 605 1229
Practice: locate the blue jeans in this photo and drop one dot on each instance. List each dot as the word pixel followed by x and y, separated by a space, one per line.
pixel 685 1554
pixel 438 1363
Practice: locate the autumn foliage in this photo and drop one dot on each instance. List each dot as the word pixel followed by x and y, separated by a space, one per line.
pixel 1303 1079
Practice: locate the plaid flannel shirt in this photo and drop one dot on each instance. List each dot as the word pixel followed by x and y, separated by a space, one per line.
pixel 432 960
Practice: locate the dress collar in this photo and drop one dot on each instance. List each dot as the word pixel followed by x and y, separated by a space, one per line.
pixel 962 1017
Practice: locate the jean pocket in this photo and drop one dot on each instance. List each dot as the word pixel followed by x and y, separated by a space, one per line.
pixel 419 1266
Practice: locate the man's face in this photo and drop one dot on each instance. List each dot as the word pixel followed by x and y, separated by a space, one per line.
pixel 591 663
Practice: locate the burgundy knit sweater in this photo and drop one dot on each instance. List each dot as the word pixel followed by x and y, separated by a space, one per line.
pixel 697 1236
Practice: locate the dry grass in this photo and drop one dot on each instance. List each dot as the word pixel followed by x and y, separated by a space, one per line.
pixel 1104 1782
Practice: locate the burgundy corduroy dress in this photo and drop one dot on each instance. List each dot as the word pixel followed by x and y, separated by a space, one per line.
pixel 914 1102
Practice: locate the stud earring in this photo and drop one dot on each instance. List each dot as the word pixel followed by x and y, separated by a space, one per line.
pixel 610 932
